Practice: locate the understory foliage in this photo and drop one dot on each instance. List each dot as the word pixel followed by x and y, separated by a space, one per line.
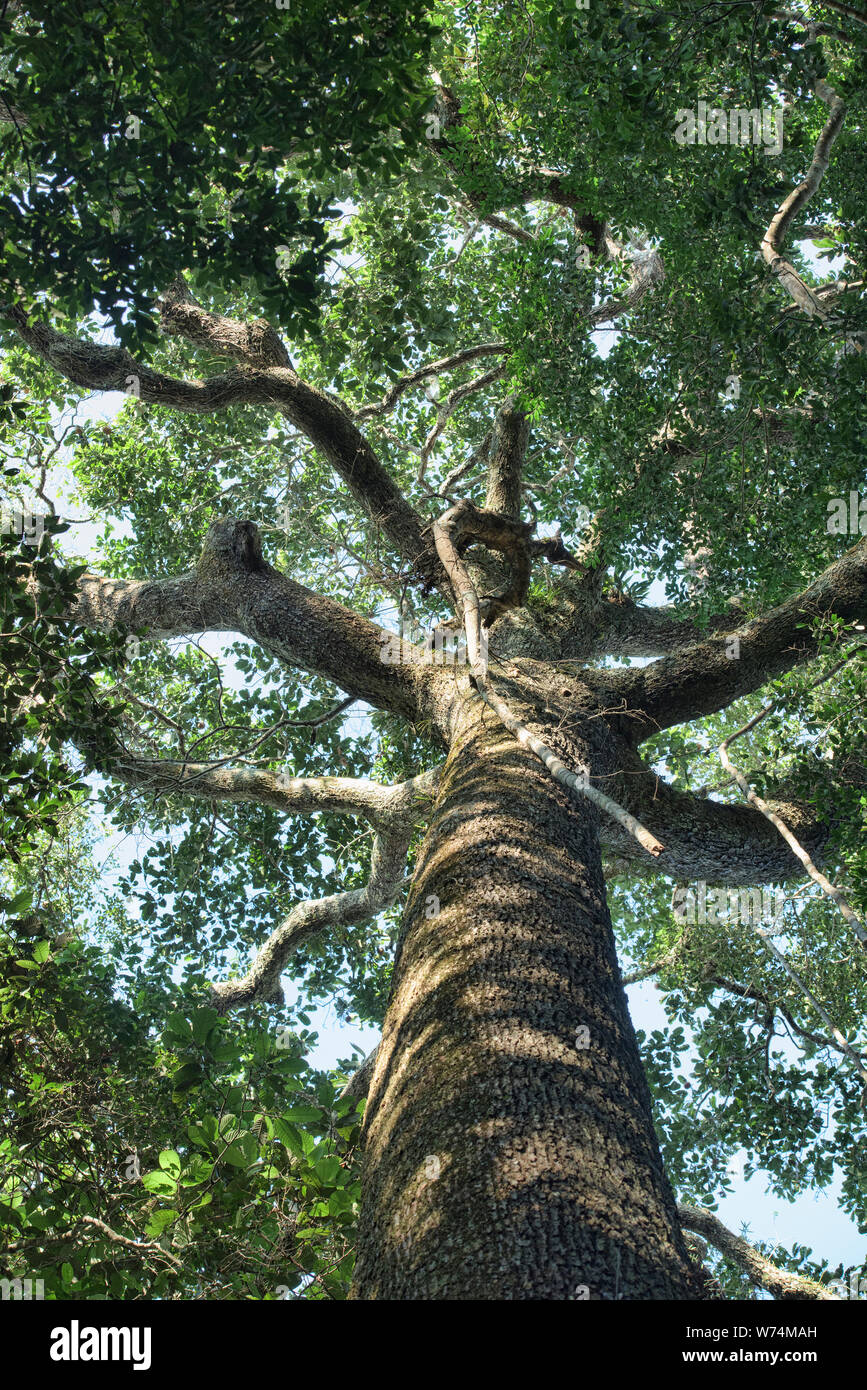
pixel 150 1148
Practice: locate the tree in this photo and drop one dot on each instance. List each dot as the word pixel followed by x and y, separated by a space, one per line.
pixel 545 188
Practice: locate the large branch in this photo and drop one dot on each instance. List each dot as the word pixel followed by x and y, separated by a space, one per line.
pixel 213 781
pixel 259 382
pixel 708 676
pixel 256 342
pixel 758 1267
pixel 707 841
pixel 817 28
pixel 646 271
pixel 395 822
pixel 774 237
pixel 392 811
pixel 615 625
pixel 233 589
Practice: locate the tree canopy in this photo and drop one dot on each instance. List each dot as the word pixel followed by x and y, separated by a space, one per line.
pixel 355 270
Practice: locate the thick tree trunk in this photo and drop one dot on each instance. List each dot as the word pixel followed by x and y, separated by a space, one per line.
pixel 509 1150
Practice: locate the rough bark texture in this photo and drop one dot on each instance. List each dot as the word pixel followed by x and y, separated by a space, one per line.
pixel 233 589
pixel 509 1154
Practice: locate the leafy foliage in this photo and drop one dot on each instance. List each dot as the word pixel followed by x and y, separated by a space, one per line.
pixel 243 1176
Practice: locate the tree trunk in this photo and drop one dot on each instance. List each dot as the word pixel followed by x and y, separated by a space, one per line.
pixel 509 1146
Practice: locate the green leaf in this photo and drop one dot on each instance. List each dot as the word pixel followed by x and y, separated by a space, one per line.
pixel 159 1220
pixel 187 1076
pixel 303 1114
pixel 160 1183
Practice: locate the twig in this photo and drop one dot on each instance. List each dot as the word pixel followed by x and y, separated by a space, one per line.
pixel 445 364
pixel 447 409
pixel 828 888
pixel 141 1246
pixel 845 1045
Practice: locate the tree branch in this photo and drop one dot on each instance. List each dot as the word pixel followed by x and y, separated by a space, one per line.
pixel 829 889
pixel 358 1084
pixel 257 342
pixel 776 234
pixel 447 536
pixel 708 676
pixel 706 841
pixel 447 409
pixel 773 1006
pixel 509 445
pixel 848 10
pixel 647 270
pixel 141 1247
pixel 445 364
pixel 395 821
pixel 233 589
pixel 615 625
pixel 326 424
pixel 756 1266
pixel 529 183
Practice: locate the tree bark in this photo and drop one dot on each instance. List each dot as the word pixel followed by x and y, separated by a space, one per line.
pixel 509 1145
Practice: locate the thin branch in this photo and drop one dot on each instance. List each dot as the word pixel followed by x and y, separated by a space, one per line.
pixel 845 1046
pixel 447 409
pixel 395 823
pixel 358 1084
pixel 773 1006
pixel 445 364
pixel 479 455
pixel 828 888
pixel 646 972
pixel 142 1247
